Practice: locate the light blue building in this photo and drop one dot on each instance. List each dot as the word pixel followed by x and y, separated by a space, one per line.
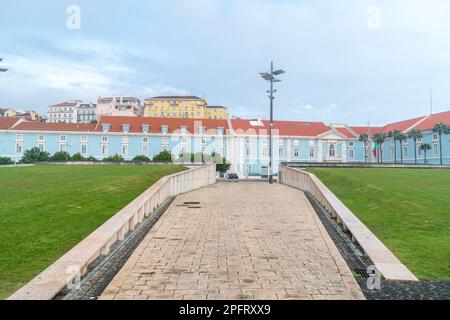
pixel 244 143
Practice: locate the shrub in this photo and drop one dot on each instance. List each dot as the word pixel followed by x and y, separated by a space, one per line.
pixel 91 158
pixel 61 156
pixel 5 161
pixel 34 155
pixel 114 158
pixel 164 156
pixel 141 158
pixel 77 157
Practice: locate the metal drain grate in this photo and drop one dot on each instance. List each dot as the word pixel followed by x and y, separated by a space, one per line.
pixel 191 202
pixel 194 207
pixel 361 272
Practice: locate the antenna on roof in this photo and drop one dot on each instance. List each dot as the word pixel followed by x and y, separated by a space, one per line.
pixel 431 101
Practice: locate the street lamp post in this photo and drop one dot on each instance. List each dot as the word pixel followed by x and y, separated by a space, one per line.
pixel 270 77
pixel 3 69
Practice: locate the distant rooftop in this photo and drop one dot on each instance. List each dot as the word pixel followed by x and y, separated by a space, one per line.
pixel 177 97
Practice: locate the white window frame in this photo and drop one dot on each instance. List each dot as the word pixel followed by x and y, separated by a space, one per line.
pixel 296 152
pixel 125 149
pixel 312 152
pixel 104 150
pixel 19 146
pixel 81 149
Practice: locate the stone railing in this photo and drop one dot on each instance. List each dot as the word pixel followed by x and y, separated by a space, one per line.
pixel 384 260
pixel 74 264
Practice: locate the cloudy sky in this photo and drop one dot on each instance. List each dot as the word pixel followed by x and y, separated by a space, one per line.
pixel 348 61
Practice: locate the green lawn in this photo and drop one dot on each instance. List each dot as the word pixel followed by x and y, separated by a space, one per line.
pixel 408 209
pixel 46 210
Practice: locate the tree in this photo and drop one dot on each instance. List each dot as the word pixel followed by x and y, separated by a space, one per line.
pixel 395 136
pixel 34 155
pixel 440 128
pixel 222 165
pixel 5 161
pixel 77 157
pixel 115 158
pixel 364 138
pixel 61 156
pixel 164 156
pixel 415 134
pixel 401 137
pixel 425 147
pixel 379 139
pixel 142 158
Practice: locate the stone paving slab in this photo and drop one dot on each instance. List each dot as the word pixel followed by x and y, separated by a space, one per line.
pixel 243 241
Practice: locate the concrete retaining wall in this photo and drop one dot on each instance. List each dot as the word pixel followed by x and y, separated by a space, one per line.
pixel 73 265
pixel 384 260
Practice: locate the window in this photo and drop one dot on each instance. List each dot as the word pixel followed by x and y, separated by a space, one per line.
pixel 165 140
pixel 280 151
pixel 105 139
pixel 203 140
pixel 296 142
pixel 84 149
pixel 248 141
pixel 419 140
pixel 332 151
pixel 125 149
pixel 18 148
pixel 435 136
pixel 183 140
pixel 144 139
pixel 296 152
pixel 311 152
pixel 41 137
pixel 19 137
pixel 405 151
pixel 435 149
pixel 351 153
pixel 62 138
pixel 420 150
pixel 84 139
pixel 63 147
pixel 41 147
pixel 248 169
pixel 104 150
pixel 248 151
pixel 125 139
pixel 392 152
pixel 264 152
pixel 203 149
pixel 165 148
pixel 351 144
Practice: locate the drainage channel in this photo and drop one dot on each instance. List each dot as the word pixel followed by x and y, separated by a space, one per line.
pixel 104 269
pixel 359 263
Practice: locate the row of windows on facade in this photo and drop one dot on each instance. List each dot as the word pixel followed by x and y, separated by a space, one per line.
pixel 181 115
pixel 104 148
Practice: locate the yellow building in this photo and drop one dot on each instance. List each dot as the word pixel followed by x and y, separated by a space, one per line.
pixel 182 107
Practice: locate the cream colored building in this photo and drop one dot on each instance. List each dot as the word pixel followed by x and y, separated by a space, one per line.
pixel 190 107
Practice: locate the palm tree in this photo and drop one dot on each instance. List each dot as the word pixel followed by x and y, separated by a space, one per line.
pixel 415 134
pixel 365 139
pixel 440 128
pixel 394 135
pixel 379 140
pixel 425 147
pixel 401 137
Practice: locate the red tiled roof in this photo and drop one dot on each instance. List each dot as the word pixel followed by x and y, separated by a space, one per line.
pixel 285 128
pixel 401 125
pixel 345 132
pixel 65 104
pixel 7 122
pixel 361 130
pixel 46 126
pixel 174 124
pixel 433 119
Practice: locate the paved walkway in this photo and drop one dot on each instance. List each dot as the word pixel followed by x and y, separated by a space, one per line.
pixel 243 241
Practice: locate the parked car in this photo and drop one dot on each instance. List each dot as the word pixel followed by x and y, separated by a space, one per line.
pixel 232 177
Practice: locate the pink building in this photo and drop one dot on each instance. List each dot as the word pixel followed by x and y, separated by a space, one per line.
pixel 118 106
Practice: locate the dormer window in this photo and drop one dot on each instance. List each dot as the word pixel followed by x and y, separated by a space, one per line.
pixel 126 128
pixel 106 127
pixel 220 130
pixel 201 130
pixel 164 129
pixel 183 130
pixel 145 128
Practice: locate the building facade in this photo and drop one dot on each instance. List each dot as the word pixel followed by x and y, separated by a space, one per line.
pixel 72 112
pixel 118 107
pixel 188 107
pixel 244 143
